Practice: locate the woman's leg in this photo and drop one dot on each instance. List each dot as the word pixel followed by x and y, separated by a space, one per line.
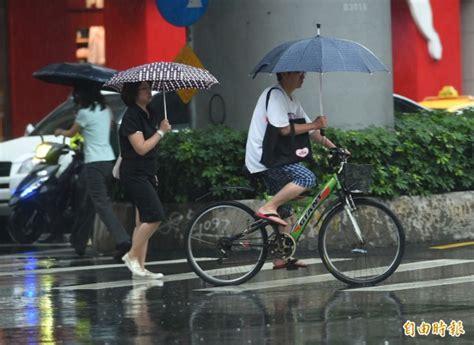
pixel 141 235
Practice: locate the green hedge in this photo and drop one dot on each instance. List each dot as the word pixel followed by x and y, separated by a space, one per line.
pixel 423 154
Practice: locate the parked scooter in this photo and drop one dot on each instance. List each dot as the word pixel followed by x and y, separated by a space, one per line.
pixel 45 200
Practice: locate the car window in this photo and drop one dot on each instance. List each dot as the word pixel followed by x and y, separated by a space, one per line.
pixel 61 117
pixel 403 106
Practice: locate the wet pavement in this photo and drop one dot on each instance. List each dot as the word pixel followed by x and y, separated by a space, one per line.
pixel 50 296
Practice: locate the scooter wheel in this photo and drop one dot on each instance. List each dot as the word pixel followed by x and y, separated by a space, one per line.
pixel 26 224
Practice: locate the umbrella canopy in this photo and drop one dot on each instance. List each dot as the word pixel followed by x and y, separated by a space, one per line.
pixel 320 54
pixel 164 76
pixel 74 73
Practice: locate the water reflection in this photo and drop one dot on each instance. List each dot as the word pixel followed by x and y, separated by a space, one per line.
pixel 137 308
pixel 239 318
pixel 244 318
pixel 363 317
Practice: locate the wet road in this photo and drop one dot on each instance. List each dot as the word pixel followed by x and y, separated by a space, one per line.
pixel 48 295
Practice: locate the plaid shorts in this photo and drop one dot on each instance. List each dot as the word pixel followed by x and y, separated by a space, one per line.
pixel 276 178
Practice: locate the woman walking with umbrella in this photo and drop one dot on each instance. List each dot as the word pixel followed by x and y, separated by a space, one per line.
pixel 139 142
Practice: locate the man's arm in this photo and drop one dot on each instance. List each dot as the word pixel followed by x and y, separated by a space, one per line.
pixel 317 137
pixel 318 123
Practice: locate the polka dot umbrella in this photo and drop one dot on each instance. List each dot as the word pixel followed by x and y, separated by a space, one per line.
pixel 164 77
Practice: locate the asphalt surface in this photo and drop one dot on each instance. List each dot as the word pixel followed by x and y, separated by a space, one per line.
pixel 48 295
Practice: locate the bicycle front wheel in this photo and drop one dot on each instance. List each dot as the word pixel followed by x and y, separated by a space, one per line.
pixel 364 260
pixel 225 244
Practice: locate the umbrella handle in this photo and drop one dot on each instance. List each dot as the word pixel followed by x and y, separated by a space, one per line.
pixel 164 105
pixel 321 131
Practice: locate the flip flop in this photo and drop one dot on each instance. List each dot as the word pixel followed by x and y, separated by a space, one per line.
pixel 291 264
pixel 272 217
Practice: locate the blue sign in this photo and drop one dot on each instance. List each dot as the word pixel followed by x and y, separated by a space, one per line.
pixel 182 12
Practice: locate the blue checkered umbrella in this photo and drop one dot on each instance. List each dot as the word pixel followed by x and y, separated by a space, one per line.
pixel 319 54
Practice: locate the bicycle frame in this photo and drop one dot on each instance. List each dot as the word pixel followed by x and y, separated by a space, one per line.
pixel 323 194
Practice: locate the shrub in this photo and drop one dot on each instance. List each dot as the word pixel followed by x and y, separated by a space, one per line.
pixel 423 154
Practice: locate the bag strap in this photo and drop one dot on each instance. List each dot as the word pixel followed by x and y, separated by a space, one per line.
pixel 292 126
pixel 268 96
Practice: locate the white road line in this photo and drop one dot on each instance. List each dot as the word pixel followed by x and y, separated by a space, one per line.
pixel 169 278
pixel 416 285
pixel 327 277
pixel 86 268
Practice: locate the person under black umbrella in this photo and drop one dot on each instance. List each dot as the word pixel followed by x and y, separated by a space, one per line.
pixel 93 121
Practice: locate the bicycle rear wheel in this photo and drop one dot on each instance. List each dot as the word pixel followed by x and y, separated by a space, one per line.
pixel 217 248
pixel 370 261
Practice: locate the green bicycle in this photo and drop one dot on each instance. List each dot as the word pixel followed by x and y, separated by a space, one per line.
pixel 360 241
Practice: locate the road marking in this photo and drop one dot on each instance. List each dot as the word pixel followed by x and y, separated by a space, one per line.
pixel 328 277
pixel 454 245
pixel 169 278
pixel 87 268
pixel 417 285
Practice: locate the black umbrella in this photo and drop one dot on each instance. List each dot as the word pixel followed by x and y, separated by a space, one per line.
pixel 74 73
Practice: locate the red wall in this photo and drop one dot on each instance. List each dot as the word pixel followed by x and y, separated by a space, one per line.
pixel 125 33
pixel 38 35
pixel 415 73
pixel 164 41
pixel 137 34
pixel 43 32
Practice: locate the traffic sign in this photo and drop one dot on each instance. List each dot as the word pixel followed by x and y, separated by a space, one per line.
pixel 188 57
pixel 182 12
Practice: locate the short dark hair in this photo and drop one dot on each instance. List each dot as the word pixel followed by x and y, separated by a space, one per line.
pixel 129 93
pixel 279 76
pixel 87 95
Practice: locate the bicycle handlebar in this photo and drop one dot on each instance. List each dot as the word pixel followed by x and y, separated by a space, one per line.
pixel 338 158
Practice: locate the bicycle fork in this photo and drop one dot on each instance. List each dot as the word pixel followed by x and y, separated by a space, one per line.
pixel 349 206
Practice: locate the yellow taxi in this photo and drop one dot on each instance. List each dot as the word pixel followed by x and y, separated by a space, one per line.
pixel 448 99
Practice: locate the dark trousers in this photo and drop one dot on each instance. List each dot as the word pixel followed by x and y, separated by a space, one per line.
pixel 98 176
pixel 99 179
pixel 83 226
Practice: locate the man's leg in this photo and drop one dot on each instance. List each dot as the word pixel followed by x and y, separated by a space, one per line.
pixel 287 193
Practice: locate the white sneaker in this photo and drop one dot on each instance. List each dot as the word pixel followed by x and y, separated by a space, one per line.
pixel 133 266
pixel 153 275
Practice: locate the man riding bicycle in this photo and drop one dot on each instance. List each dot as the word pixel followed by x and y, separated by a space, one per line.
pixel 277 108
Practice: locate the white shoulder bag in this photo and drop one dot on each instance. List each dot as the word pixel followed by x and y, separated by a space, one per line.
pixel 116 169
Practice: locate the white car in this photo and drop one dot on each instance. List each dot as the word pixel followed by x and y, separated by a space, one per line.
pixel 16 155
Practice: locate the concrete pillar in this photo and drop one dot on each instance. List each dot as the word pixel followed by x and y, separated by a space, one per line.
pixel 235 34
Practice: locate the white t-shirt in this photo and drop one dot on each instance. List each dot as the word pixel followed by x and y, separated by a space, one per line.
pixel 281 108
pixel 95 128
